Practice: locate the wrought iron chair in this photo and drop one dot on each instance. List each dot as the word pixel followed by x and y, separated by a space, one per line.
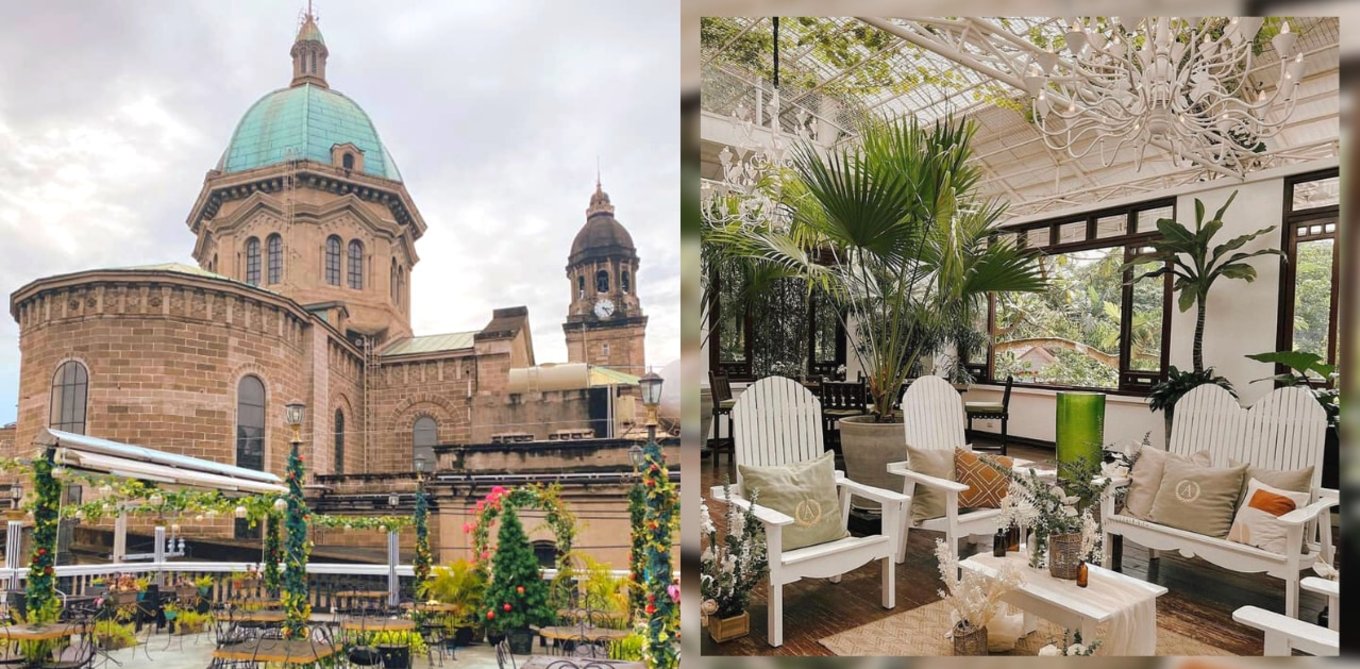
pixel 504 658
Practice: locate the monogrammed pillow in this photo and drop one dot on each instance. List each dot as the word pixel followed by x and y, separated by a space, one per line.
pixel 1198 499
pixel 803 491
pixel 1145 479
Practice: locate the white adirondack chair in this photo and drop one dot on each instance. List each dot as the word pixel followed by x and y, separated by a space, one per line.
pixel 1284 635
pixel 1283 430
pixel 933 418
pixel 777 421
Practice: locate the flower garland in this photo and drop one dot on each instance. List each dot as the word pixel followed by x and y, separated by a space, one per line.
pixel 421 564
pixel 535 496
pixel 296 607
pixel 663 596
pixel 637 510
pixel 41 588
pixel 379 523
pixel 271 556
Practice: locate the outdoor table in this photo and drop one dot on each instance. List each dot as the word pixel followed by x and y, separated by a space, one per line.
pixel 257 616
pixel 261 602
pixel 437 607
pixel 590 634
pixel 377 625
pixel 283 651
pixel 28 632
pixel 550 662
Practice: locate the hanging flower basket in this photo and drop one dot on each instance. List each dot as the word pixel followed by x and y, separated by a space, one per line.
pixel 1064 555
pixel 969 640
pixel 727 629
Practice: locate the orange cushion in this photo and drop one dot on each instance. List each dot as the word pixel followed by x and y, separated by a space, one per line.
pixel 986 486
pixel 1275 505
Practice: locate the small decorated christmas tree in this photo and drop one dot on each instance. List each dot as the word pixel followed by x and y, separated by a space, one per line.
pixel 518 596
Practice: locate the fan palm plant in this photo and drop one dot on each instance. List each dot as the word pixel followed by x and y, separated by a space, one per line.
pixel 891 230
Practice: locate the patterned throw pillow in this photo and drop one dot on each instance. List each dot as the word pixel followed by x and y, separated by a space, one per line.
pixel 927 503
pixel 804 491
pixel 1146 478
pixel 1257 523
pixel 986 486
pixel 1198 499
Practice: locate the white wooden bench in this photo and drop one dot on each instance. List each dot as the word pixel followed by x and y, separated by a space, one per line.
pixel 777 421
pixel 1284 430
pixel 1284 635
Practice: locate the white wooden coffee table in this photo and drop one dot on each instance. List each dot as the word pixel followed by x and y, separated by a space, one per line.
pixel 1063 602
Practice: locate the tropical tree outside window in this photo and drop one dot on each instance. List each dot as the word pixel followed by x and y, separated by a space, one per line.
pixel 333 260
pixel 253 261
pixel 70 392
pixel 1309 286
pixel 1091 328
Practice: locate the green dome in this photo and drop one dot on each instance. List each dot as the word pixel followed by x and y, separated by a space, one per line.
pixel 309 119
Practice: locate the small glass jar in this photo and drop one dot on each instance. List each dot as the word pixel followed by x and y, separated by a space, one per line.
pixel 1082 575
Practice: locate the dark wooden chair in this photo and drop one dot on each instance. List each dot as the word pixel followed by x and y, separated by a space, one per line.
pixel 840 399
pixel 720 387
pixel 992 411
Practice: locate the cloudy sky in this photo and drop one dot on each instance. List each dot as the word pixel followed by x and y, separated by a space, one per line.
pixel 111 112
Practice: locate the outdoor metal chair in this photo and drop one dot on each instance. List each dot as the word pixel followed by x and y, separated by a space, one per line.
pixel 504 658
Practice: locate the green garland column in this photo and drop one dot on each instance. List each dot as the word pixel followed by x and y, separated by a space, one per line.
pixel 271 553
pixel 658 523
pixel 422 562
pixel 41 587
pixel 637 554
pixel 296 606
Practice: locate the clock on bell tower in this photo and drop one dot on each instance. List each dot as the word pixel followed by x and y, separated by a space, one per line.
pixel 605 325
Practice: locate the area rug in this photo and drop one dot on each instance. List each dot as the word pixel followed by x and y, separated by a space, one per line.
pixel 920 632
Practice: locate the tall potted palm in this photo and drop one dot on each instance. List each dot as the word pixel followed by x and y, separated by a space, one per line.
pixel 911 257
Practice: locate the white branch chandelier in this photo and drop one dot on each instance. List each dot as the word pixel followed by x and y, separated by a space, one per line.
pixel 1183 86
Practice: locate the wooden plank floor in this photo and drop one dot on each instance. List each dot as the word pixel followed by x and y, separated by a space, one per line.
pixel 1199 603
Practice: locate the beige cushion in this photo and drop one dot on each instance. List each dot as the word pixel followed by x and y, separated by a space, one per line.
pixel 1145 479
pixel 986 486
pixel 927 502
pixel 804 491
pixel 1257 522
pixel 1293 480
pixel 1198 499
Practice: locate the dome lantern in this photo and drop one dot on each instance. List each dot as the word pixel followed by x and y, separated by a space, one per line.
pixel 309 53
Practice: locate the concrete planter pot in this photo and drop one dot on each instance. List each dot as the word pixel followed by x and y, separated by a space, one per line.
pixel 868 447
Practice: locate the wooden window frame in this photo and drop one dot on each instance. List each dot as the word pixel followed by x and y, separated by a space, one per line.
pixel 1291 221
pixel 1131 382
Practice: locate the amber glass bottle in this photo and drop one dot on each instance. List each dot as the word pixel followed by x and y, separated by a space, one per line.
pixel 1082 575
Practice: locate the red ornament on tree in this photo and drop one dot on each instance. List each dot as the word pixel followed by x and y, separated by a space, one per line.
pixel 651 609
pixel 490 615
pixel 42 551
pixel 506 606
pixel 519 589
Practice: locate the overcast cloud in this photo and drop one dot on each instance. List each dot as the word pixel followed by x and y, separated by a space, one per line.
pixel 111 112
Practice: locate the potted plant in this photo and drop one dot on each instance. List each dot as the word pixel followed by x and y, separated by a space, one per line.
pixel 113 635
pixel 1070 646
pixel 730 567
pixel 462 584
pixel 517 596
pixel 1195 265
pixel 1060 515
pixel 1309 370
pixel 890 229
pixel 972 598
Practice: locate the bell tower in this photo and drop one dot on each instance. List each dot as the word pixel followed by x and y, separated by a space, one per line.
pixel 605 325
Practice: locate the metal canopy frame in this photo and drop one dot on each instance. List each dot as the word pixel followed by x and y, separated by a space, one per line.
pixel 986 59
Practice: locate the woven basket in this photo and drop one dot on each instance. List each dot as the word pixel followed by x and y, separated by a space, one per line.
pixel 1064 555
pixel 970 640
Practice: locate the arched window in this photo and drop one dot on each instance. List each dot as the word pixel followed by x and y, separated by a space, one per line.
pixel 253 261
pixel 213 267
pixel 347 161
pixel 392 281
pixel 624 284
pixel 424 436
pixel 356 264
pixel 580 285
pixel 339 442
pixel 602 281
pixel 274 245
pixel 250 423
pixel 546 553
pixel 70 390
pixel 333 260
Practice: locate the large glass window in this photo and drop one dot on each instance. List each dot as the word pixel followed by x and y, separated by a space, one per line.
pixel 275 248
pixel 70 392
pixel 253 261
pixel 249 438
pixel 1092 327
pixel 1309 289
pixel 333 260
pixel 424 436
pixel 356 264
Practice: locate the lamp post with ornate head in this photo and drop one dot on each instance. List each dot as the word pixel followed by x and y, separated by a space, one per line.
pixel 297 609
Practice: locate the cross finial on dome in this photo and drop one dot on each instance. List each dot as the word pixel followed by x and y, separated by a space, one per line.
pixel 599 201
pixel 309 52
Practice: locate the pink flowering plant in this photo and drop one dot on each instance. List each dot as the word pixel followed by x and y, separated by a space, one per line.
pixel 548 499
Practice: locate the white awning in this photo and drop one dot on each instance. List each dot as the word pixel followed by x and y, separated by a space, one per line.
pixel 118 459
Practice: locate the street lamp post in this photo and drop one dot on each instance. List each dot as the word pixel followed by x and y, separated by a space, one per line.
pixel 658 520
pixel 297 610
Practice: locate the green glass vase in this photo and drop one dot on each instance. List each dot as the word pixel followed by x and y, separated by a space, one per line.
pixel 1081 426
